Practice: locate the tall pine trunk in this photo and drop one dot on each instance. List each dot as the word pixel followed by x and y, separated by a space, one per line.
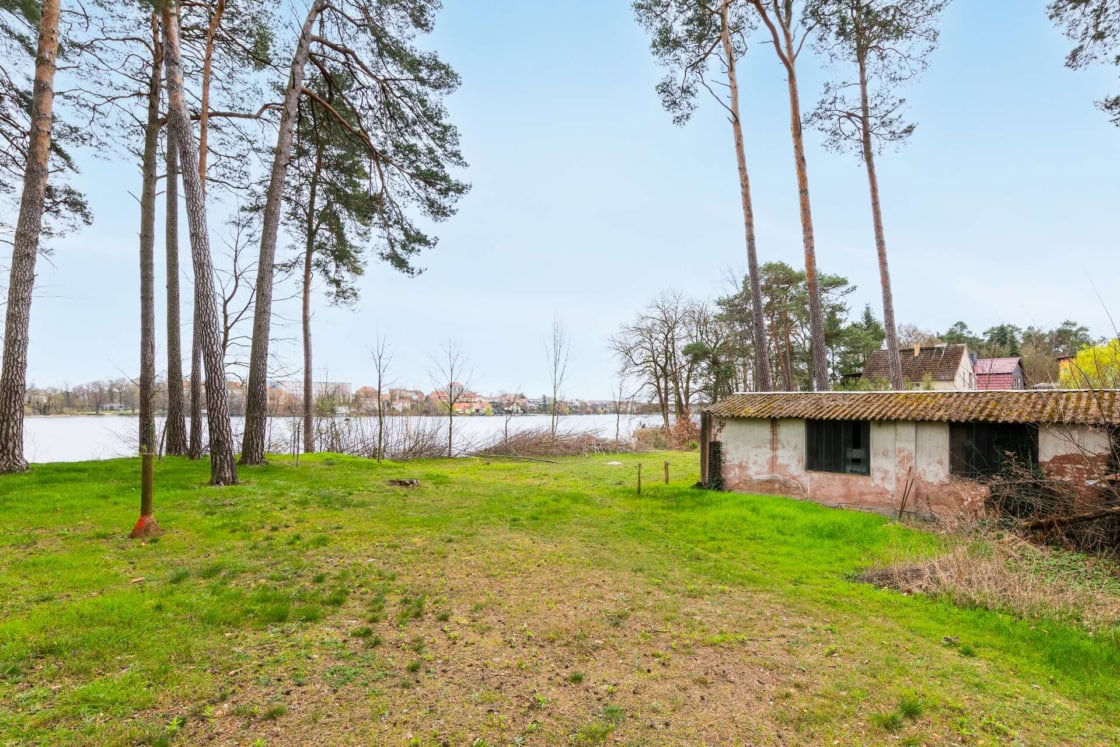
pixel 194 450
pixel 758 330
pixel 819 363
pixel 308 384
pixel 25 247
pixel 146 526
pixel 176 433
pixel 308 268
pixel 223 468
pixel 787 49
pixel 204 100
pixel 893 361
pixel 256 390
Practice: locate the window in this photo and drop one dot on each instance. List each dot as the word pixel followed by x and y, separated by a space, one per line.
pixel 838 446
pixel 977 449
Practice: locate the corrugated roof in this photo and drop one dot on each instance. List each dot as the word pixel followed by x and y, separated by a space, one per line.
pixel 985 366
pixel 940 362
pixel 1070 406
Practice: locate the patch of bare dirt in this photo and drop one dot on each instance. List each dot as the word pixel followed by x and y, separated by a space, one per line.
pixel 524 645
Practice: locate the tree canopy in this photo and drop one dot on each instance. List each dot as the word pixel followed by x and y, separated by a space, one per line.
pixel 1094 28
pixel 1094 367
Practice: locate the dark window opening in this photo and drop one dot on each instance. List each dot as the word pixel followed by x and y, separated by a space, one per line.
pixel 838 446
pixel 978 449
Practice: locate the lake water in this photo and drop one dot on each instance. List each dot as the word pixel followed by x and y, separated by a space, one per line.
pixel 81 438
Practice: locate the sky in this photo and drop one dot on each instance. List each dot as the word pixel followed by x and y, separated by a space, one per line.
pixel 587 202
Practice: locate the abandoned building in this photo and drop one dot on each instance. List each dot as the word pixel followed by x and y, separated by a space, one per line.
pixel 931 450
pixel 938 367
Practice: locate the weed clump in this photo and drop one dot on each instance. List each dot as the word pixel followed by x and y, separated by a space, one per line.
pixel 376 607
pixel 891 722
pixel 274 712
pixel 412 608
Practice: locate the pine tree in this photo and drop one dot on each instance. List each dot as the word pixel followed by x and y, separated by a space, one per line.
pixel 780 18
pixel 887 42
pixel 25 248
pixel 330 211
pixel 364 52
pixel 1094 26
pixel 689 38
pixel 223 468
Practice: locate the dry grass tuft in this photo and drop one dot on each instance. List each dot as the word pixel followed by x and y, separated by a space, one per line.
pixel 1012 575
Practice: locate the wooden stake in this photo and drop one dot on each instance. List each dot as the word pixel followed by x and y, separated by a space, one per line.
pixel 666 472
pixel 639 478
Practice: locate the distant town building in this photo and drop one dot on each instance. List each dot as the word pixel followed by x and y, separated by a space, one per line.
pixel 335 389
pixel 405 400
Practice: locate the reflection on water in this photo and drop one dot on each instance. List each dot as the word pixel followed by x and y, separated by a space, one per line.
pixel 79 438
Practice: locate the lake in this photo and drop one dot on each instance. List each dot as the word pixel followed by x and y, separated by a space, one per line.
pixel 86 437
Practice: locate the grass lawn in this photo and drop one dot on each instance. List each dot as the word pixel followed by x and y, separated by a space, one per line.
pixel 500 603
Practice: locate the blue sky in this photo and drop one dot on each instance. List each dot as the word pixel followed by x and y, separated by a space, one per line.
pixel 587 201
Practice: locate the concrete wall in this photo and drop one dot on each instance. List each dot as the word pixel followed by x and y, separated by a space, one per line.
pixel 1076 453
pixel 907 459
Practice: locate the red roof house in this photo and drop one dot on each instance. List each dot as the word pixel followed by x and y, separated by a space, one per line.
pixel 999 373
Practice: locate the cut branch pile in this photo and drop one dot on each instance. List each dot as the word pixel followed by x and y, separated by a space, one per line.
pixel 1080 516
pixel 541 442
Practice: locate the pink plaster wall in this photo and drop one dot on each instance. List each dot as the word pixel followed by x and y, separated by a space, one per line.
pixel 907 458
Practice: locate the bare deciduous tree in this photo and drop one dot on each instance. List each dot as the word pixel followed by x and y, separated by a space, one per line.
pixel 381 357
pixel 622 401
pixel 234 278
pixel 450 366
pixel 651 350
pixel 558 353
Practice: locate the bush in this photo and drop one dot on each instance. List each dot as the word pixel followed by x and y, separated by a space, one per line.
pixel 683 435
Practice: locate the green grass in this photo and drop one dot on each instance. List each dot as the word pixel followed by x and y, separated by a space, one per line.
pixel 320 574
